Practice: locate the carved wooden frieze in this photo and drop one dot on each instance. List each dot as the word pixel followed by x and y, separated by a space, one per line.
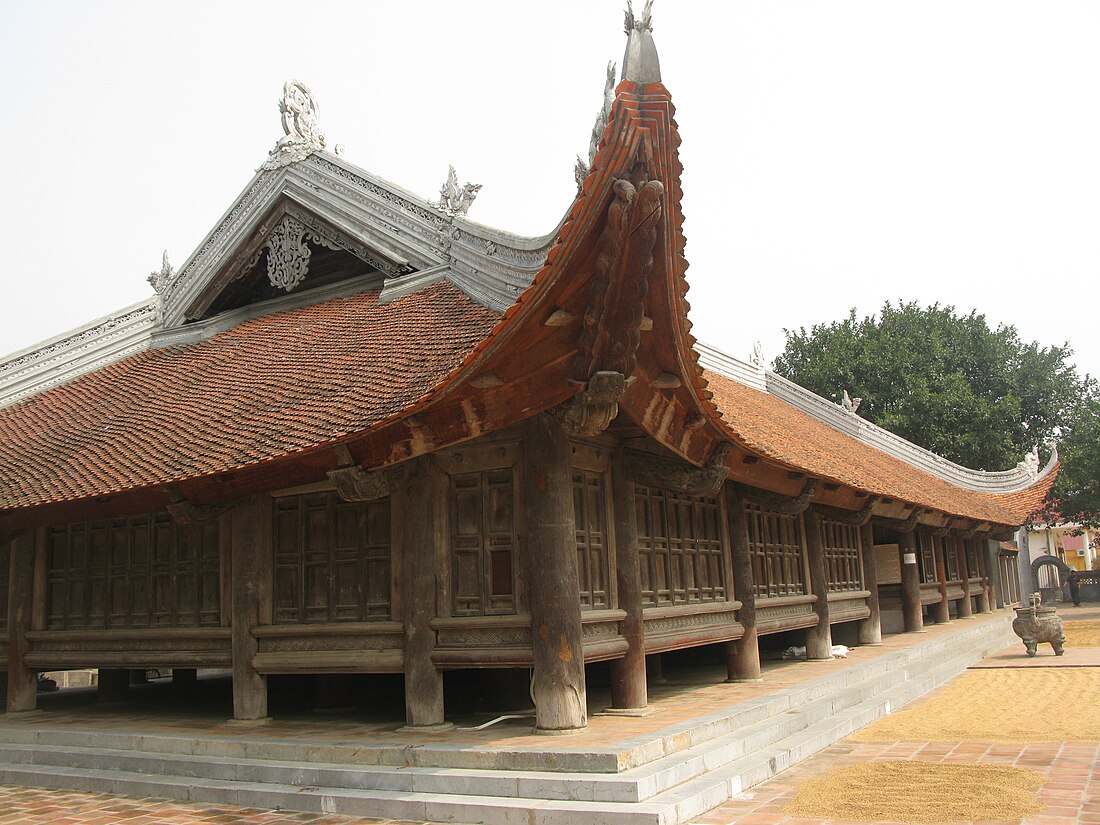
pixel 677 476
pixel 782 504
pixel 606 352
pixel 188 514
pixel 593 408
pixel 856 518
pixel 359 484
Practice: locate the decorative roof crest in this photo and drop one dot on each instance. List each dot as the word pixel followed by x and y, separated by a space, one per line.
pixel 1030 463
pixel 300 122
pixel 643 23
pixel 850 405
pixel 757 358
pixel 640 63
pixel 159 280
pixel 455 200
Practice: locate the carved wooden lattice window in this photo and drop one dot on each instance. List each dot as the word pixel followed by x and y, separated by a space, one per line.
pixel 5 571
pixel 778 548
pixel 680 543
pixel 590 515
pixel 483 541
pixel 927 558
pixel 971 559
pixel 950 558
pixel 332 559
pixel 842 564
pixel 145 571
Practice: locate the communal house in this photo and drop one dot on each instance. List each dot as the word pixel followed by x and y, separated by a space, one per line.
pixel 358 432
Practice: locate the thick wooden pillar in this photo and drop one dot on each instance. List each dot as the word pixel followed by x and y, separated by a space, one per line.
pixel 942 610
pixel 250 526
pixel 988 554
pixel 22 682
pixel 556 638
pixel 743 655
pixel 870 629
pixel 628 678
pixel 819 639
pixel 421 506
pixel 912 616
pixel 966 606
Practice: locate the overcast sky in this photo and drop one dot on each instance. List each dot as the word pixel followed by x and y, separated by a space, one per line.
pixel 837 154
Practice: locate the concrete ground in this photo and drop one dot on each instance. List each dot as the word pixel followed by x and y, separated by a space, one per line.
pixel 1070 794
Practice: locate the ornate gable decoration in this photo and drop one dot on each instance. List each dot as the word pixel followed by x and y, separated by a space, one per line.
pixel 455 199
pixel 303 137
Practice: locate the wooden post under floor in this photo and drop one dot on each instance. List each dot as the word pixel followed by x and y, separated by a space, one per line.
pixel 556 638
pixel 942 609
pixel 22 694
pixel 819 638
pixel 742 655
pixel 250 525
pixel 966 605
pixel 421 505
pixel 870 629
pixel 912 615
pixel 628 677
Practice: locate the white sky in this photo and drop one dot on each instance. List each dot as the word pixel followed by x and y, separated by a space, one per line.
pixel 836 154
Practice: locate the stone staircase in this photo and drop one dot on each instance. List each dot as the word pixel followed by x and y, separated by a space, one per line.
pixel 666 777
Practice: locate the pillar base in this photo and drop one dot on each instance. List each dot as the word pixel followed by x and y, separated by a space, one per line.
pixel 248 723
pixel 437 727
pixel 559 731
pixel 733 681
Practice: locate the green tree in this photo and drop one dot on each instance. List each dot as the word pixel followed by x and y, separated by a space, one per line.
pixel 948 382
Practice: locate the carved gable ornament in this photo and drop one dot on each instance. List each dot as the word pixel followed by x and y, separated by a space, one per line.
pixel 300 123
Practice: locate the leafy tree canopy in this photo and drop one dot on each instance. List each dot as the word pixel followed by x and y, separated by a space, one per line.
pixel 978 396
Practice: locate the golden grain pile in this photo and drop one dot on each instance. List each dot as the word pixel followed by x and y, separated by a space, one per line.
pixel 1048 704
pixel 1082 634
pixel 919 792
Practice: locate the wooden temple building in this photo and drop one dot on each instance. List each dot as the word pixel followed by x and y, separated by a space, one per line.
pixel 358 432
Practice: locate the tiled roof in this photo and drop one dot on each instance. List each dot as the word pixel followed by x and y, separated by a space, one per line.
pixel 271 387
pixel 771 427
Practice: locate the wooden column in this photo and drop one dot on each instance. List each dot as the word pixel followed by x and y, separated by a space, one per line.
pixel 22 682
pixel 870 629
pixel 628 676
pixel 912 616
pixel 819 639
pixel 983 572
pixel 743 655
pixel 942 610
pixel 966 606
pixel 421 505
pixel 250 526
pixel 556 639
pixel 992 573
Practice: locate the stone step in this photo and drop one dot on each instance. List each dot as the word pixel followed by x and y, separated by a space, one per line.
pixel 671 788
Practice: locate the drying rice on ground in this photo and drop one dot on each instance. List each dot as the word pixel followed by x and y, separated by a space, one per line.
pixel 1001 706
pixel 1082 634
pixel 919 792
